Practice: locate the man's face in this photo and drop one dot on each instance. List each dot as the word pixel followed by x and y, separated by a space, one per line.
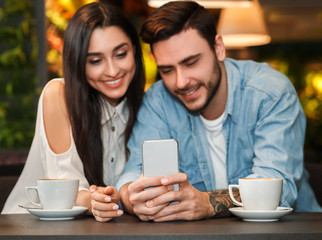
pixel 189 68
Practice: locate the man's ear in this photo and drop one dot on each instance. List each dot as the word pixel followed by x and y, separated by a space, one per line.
pixel 220 48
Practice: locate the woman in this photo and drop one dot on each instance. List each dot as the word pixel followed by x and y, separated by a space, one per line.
pixel 84 120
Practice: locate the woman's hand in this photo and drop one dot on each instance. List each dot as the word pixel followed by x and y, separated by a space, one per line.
pixel 104 204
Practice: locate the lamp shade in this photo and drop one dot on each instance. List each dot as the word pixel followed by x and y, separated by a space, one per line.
pixel 243 27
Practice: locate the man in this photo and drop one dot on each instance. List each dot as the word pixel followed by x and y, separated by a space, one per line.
pixel 232 119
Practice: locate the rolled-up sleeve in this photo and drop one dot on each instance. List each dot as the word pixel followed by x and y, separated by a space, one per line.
pixel 278 144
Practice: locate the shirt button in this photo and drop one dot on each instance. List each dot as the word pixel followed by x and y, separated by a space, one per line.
pixel 113 128
pixel 112 160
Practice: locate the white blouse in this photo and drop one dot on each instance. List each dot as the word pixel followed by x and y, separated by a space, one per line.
pixel 42 162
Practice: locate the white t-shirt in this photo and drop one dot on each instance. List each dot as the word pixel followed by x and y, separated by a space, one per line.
pixel 42 162
pixel 217 144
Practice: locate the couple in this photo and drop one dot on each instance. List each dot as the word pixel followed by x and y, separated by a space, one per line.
pixel 232 119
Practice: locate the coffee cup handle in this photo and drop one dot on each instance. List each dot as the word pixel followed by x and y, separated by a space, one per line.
pixel 27 194
pixel 230 189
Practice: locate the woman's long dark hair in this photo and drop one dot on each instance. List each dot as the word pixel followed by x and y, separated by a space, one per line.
pixel 83 101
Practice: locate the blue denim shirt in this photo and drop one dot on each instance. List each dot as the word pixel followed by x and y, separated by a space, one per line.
pixel 264 128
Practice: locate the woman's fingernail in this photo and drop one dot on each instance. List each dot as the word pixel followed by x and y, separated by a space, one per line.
pixel 115 207
pixel 119 212
pixel 149 203
pixel 107 199
pixel 164 180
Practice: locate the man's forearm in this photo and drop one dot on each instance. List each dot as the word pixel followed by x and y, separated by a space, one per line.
pixel 221 201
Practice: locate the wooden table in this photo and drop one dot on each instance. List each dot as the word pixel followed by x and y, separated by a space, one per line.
pixel 295 226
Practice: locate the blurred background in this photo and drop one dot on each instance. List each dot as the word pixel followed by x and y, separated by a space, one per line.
pixel 289 34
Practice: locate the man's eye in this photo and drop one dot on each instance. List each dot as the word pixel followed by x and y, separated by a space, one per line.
pixel 190 63
pixel 165 70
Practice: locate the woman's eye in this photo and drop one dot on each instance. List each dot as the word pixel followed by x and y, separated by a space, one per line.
pixel 94 61
pixel 121 54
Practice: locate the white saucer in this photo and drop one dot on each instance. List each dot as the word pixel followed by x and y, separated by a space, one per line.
pixel 54 214
pixel 260 216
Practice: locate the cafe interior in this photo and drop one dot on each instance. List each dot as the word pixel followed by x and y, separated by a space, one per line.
pixel 285 33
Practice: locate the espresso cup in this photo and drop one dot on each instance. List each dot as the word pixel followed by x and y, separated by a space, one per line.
pixel 262 194
pixel 55 193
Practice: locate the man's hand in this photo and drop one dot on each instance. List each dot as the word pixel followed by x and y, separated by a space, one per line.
pixel 105 203
pixel 136 194
pixel 193 204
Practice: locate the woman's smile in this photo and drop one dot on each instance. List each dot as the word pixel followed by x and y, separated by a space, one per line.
pixel 113 83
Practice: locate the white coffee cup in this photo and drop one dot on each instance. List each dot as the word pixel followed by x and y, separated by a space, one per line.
pixel 258 193
pixel 55 193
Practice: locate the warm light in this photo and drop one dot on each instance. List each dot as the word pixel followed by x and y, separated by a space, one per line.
pixel 245 40
pixel 208 3
pixel 150 66
pixel 243 27
pixel 317 82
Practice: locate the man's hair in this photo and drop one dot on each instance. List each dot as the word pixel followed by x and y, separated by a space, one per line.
pixel 175 17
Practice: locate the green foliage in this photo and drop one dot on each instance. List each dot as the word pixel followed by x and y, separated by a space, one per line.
pixel 18 81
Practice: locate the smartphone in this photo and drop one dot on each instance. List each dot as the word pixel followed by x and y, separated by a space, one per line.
pixel 160 158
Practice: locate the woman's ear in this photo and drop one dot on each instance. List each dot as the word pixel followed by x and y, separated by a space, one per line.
pixel 220 48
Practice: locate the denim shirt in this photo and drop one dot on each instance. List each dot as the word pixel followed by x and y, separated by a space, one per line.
pixel 264 128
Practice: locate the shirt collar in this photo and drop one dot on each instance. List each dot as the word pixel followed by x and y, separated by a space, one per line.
pixel 108 111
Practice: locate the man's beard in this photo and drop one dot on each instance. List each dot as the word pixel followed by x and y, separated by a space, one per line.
pixel 213 89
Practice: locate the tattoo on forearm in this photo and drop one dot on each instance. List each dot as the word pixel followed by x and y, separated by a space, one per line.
pixel 221 202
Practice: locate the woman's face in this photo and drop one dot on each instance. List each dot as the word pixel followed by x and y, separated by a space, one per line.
pixel 110 64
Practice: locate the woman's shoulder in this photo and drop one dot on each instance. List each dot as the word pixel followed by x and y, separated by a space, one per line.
pixel 54 91
pixel 54 97
pixel 53 87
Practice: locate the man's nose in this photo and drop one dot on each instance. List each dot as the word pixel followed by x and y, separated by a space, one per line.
pixel 182 80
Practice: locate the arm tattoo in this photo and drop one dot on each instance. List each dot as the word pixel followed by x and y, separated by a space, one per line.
pixel 221 202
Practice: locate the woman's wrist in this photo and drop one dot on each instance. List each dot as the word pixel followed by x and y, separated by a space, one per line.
pixel 84 199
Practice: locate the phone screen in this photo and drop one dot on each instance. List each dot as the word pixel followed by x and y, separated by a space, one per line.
pixel 160 158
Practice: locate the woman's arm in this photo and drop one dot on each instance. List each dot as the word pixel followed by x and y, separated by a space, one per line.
pixel 56 119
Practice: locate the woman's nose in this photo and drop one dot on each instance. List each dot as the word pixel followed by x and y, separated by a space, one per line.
pixel 111 69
